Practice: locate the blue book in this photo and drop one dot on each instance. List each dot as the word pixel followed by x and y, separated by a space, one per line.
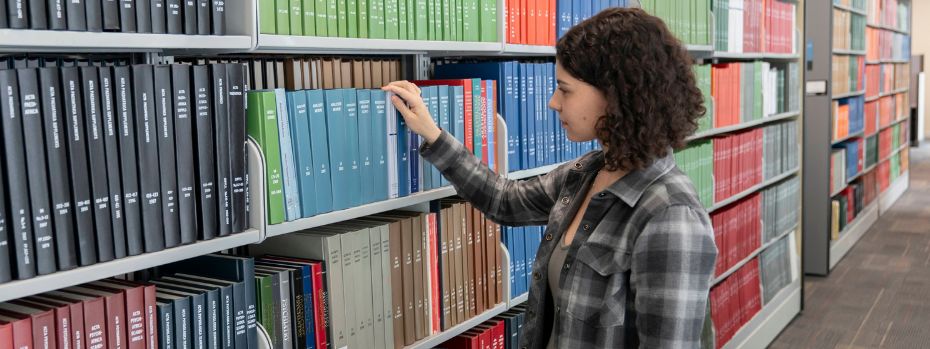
pixel 379 145
pixel 426 180
pixel 476 120
pixel 319 149
pixel 586 10
pixel 577 12
pixel 532 119
pixel 445 120
pixel 432 171
pixel 542 133
pixel 354 190
pixel 458 113
pixel 338 149
pixel 491 114
pixel 551 124
pixel 565 17
pixel 511 113
pixel 403 163
pixel 302 149
pixel 522 110
pixel 288 165
pixel 413 160
pixel 366 139
pixel 521 259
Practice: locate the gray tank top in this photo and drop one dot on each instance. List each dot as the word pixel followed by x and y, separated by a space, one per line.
pixel 554 270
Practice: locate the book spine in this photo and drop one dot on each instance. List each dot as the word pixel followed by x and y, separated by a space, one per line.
pixel 221 130
pixel 158 15
pixel 57 20
pixel 111 145
pixel 206 161
pixel 184 140
pixel 97 166
pixel 37 14
pixel 128 160
pixel 166 336
pixel 219 17
pixel 203 17
pixel 14 156
pixel 127 16
pixel 111 11
pixel 238 160
pixel 76 14
pixel 174 18
pixel 167 159
pixel 94 12
pixel 143 16
pixel 147 147
pixel 17 13
pixel 190 17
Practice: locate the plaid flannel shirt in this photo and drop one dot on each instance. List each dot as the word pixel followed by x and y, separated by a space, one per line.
pixel 639 268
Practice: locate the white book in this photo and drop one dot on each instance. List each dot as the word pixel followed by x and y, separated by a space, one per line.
pixel 391 111
pixel 288 165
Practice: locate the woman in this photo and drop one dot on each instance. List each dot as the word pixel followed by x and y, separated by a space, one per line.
pixel 629 252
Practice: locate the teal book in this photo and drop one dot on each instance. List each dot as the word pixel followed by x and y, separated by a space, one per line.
pixel 426 173
pixel 319 149
pixel 458 113
pixel 476 117
pixel 288 165
pixel 365 142
pixel 445 118
pixel 338 149
pixel 434 111
pixel 350 103
pixel 302 150
pixel 379 144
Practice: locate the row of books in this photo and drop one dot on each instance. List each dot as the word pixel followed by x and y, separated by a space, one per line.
pixel 191 17
pixel 697 161
pixel 744 92
pixel 534 135
pixel 690 22
pixel 892 138
pixel 413 274
pixel 848 204
pixel 847 74
pixel 885 78
pixel 780 208
pixel 755 26
pixel 850 158
pixel 848 30
pixel 703 76
pixel 891 13
pixel 442 20
pixel 501 332
pixel 854 4
pixel 745 159
pixel 848 116
pixel 521 244
pixel 884 44
pixel 535 22
pixel 304 73
pixel 883 111
pixel 104 162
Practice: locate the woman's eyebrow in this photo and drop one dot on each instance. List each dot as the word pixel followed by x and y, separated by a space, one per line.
pixel 561 82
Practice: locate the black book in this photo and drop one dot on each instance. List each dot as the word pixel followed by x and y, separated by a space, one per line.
pixel 182 316
pixel 96 157
pixel 94 14
pixel 143 16
pixel 111 144
pixel 174 17
pixel 184 140
pixel 6 273
pixel 57 20
pixel 4 21
pixel 221 130
pixel 219 17
pixel 37 14
pixel 17 183
pixel 157 8
pixel 111 22
pixel 76 14
pixel 57 156
pixel 77 154
pixel 166 335
pixel 35 169
pixel 190 17
pixel 212 306
pixel 127 16
pixel 132 213
pixel 164 111
pixel 18 14
pixel 197 318
pixel 203 17
pixel 206 161
pixel 226 310
pixel 147 149
pixel 235 76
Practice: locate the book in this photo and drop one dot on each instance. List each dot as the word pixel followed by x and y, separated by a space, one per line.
pixel 16 176
pixel 108 113
pixel 148 159
pixel 129 170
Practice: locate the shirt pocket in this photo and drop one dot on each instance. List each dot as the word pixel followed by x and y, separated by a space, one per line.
pixel 599 286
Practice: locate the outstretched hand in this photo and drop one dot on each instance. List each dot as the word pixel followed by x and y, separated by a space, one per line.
pixel 408 102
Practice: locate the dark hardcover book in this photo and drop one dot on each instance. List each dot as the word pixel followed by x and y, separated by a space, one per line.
pixel 77 154
pixel 57 19
pixel 108 113
pixel 17 181
pixel 190 17
pixel 213 307
pixel 127 16
pixel 129 173
pixel 221 130
pixel 182 319
pixel 197 316
pixel 6 272
pixel 164 111
pixel 76 14
pixel 36 170
pixel 238 163
pixel 159 17
pixel 147 150
pixel 184 140
pixel 203 17
pixel 175 18
pixel 166 335
pixel 94 13
pixel 143 16
pixel 219 17
pixel 4 21
pixel 111 21
pixel 226 311
pixel 206 161
pixel 97 164
pixel 38 18
pixel 18 13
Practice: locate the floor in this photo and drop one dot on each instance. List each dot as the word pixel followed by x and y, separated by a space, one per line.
pixel 878 296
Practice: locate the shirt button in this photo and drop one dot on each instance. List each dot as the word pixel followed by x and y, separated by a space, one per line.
pixel 548 237
pixel 587 227
pixel 536 276
pixel 565 200
pixel 602 194
pixel 558 309
pixel 566 266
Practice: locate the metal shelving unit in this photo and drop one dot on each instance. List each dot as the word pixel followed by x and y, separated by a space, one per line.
pixel 743 126
pixel 850 9
pixel 752 255
pixel 765 184
pixel 849 94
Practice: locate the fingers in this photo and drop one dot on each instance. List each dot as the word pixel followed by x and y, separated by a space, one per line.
pixel 406 95
pixel 401 107
pixel 406 85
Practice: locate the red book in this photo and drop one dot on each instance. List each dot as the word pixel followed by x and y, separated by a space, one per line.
pixel 21 330
pixel 755 286
pixel 718 169
pixel 521 21
pixel 6 335
pixel 553 19
pixel 62 317
pixel 76 308
pixel 484 121
pixel 42 323
pixel 716 314
pixel 115 307
pixel 759 153
pixel 726 158
pixel 149 313
pixel 434 275
pixel 532 22
pixel 95 318
pixel 134 297
pixel 733 236
pixel 467 112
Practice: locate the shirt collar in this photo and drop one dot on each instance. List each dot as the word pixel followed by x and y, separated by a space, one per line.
pixel 631 187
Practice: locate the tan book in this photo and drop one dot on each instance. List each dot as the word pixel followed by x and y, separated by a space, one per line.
pixel 387 76
pixel 280 73
pixel 306 77
pixel 395 70
pixel 270 82
pixel 316 73
pixel 470 283
pixel 293 75
pixel 377 78
pixel 337 73
pixel 417 233
pixel 491 262
pixel 410 334
pixel 328 74
pixel 499 263
pixel 346 67
pixel 366 74
pixel 358 77
pixel 258 74
pixel 477 231
pixel 428 302
pixel 444 247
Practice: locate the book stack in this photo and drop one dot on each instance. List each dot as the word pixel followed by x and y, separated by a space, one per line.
pixel 745 159
pixel 744 92
pixel 735 300
pixel 535 137
pixel 689 21
pixel 847 74
pixel 535 22
pixel 104 162
pixel 697 161
pixel 412 275
pixel 191 17
pixel 848 30
pixel 502 332
pixel 737 231
pixel 848 117
pixel 778 267
pixel 890 13
pixel 521 244
pixel 886 45
pixel 439 20
pixel 849 203
pixel 755 26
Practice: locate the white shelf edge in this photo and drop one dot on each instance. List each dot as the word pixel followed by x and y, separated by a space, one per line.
pixel 850 9
pixel 848 137
pixel 320 44
pixel 894 122
pixel 894 192
pixel 840 51
pixel 885 27
pixel 886 94
pixel 755 55
pixel 439 338
pixel 57 280
pixel 533 172
pixel 852 233
pixel 27 40
pixel 536 50
pixel 739 196
pixel 768 323
pixel 849 94
pixel 752 255
pixel 732 128
pixel 888 61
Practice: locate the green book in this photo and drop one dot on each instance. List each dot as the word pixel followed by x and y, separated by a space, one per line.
pixel 332 17
pixel 469 31
pixel 446 20
pixel 342 19
pixel 402 19
pixel 297 17
pixel 376 23
pixel 391 19
pixel 458 13
pixel 282 17
pixel 431 19
pixel 262 125
pixel 474 21
pixel 322 17
pixel 422 20
pixel 352 18
pixel 489 20
pixel 648 6
pixel 410 11
pixel 363 20
pixel 264 298
pixel 266 13
pixel 309 18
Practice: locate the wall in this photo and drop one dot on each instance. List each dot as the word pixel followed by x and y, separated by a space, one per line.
pixel 920 42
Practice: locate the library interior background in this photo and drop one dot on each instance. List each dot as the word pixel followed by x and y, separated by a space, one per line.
pixel 230 174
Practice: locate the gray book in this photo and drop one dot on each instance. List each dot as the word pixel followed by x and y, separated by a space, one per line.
pixel 283 301
pixel 377 289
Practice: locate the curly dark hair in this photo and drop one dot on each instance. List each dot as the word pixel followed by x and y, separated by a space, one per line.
pixel 645 74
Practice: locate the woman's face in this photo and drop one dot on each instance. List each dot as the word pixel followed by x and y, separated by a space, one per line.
pixel 579 104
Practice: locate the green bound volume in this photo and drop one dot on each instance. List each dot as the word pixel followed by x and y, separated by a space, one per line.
pixel 471 27
pixel 446 20
pixel 352 18
pixel 297 17
pixel 363 20
pixel 431 19
pixel 391 20
pixel 376 23
pixel 342 18
pixel 332 17
pixel 422 20
pixel 282 17
pixel 263 127
pixel 402 16
pixel 322 17
pixel 266 13
pixel 309 17
pixel 489 20
pixel 265 302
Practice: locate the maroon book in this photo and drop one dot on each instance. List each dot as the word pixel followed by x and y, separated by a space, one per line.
pixel 6 334
pixel 62 316
pixel 114 302
pixel 149 311
pixel 76 307
pixel 134 296
pixel 21 330
pixel 95 318
pixel 43 323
